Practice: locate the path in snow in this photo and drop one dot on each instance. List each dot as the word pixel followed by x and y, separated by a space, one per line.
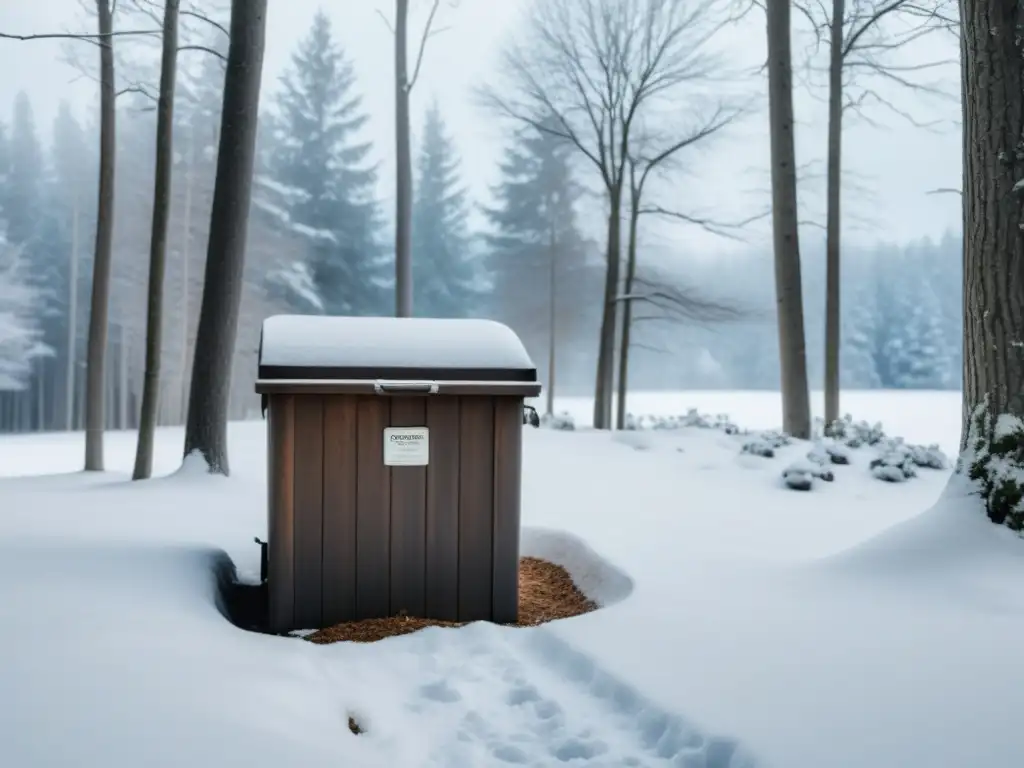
pixel 494 696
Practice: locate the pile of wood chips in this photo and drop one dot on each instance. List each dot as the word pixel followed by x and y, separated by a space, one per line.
pixel 546 593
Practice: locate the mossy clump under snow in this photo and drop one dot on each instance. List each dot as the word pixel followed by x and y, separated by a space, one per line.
pixel 996 465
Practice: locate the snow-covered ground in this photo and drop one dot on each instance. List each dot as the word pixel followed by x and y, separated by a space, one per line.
pixel 861 625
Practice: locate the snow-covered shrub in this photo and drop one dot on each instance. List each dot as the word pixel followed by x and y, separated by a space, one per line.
pixel 894 462
pixel 695 419
pixel 775 438
pixel 765 443
pixel 692 418
pixel 665 422
pixel 928 456
pixel 800 475
pixel 758 447
pixel 996 465
pixel 798 478
pixel 724 423
pixel 827 451
pixel 646 421
pixel 563 421
pixel 854 434
pixel 838 453
pixel 898 461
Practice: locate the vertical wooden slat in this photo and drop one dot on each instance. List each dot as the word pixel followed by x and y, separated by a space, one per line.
pixel 373 511
pixel 442 531
pixel 508 459
pixel 280 514
pixel 408 517
pixel 476 507
pixel 309 516
pixel 340 484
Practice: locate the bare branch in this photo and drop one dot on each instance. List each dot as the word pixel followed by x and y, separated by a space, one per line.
pixel 386 20
pixel 945 191
pixel 647 347
pixel 89 37
pixel 203 48
pixel 208 20
pixel 669 300
pixel 138 89
pixel 593 70
pixel 423 44
pixel 720 228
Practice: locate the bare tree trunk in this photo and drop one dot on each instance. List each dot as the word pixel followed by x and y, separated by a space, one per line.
pixel 72 361
pixel 158 243
pixel 403 166
pixel 993 103
pixel 110 391
pixel 627 314
pixel 123 361
pixel 100 300
pixel 207 427
pixel 796 410
pixel 186 250
pixel 606 347
pixel 552 317
pixel 40 367
pixel 833 321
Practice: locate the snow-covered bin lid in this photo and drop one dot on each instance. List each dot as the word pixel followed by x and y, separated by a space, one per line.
pixel 324 348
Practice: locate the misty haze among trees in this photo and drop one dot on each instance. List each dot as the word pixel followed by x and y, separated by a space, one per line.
pixel 321 241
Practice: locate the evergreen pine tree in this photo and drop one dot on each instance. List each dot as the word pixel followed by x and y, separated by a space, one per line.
pixel 70 221
pixel 5 163
pixel 24 187
pixel 859 351
pixel 319 179
pixel 917 354
pixel 445 279
pixel 542 283
pixel 533 221
pixel 20 334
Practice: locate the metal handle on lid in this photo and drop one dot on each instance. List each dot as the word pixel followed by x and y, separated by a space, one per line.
pixel 405 387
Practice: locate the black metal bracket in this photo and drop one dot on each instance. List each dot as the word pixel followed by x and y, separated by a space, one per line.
pixel 530 416
pixel 264 559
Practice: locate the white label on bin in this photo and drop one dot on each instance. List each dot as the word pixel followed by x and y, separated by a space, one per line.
pixel 406 446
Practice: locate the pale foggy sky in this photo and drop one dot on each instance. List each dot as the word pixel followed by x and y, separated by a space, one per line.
pixel 892 166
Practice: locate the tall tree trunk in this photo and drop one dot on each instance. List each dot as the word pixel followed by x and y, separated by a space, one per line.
pixel 72 340
pixel 207 425
pixel 99 304
pixel 186 252
pixel 796 409
pixel 993 111
pixel 403 166
pixel 123 362
pixel 833 321
pixel 627 313
pixel 110 391
pixel 609 313
pixel 41 369
pixel 552 316
pixel 158 243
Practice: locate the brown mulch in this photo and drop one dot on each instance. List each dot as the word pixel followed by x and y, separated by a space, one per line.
pixel 546 593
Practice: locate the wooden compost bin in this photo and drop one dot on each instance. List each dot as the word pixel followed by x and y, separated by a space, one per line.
pixel 394 468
